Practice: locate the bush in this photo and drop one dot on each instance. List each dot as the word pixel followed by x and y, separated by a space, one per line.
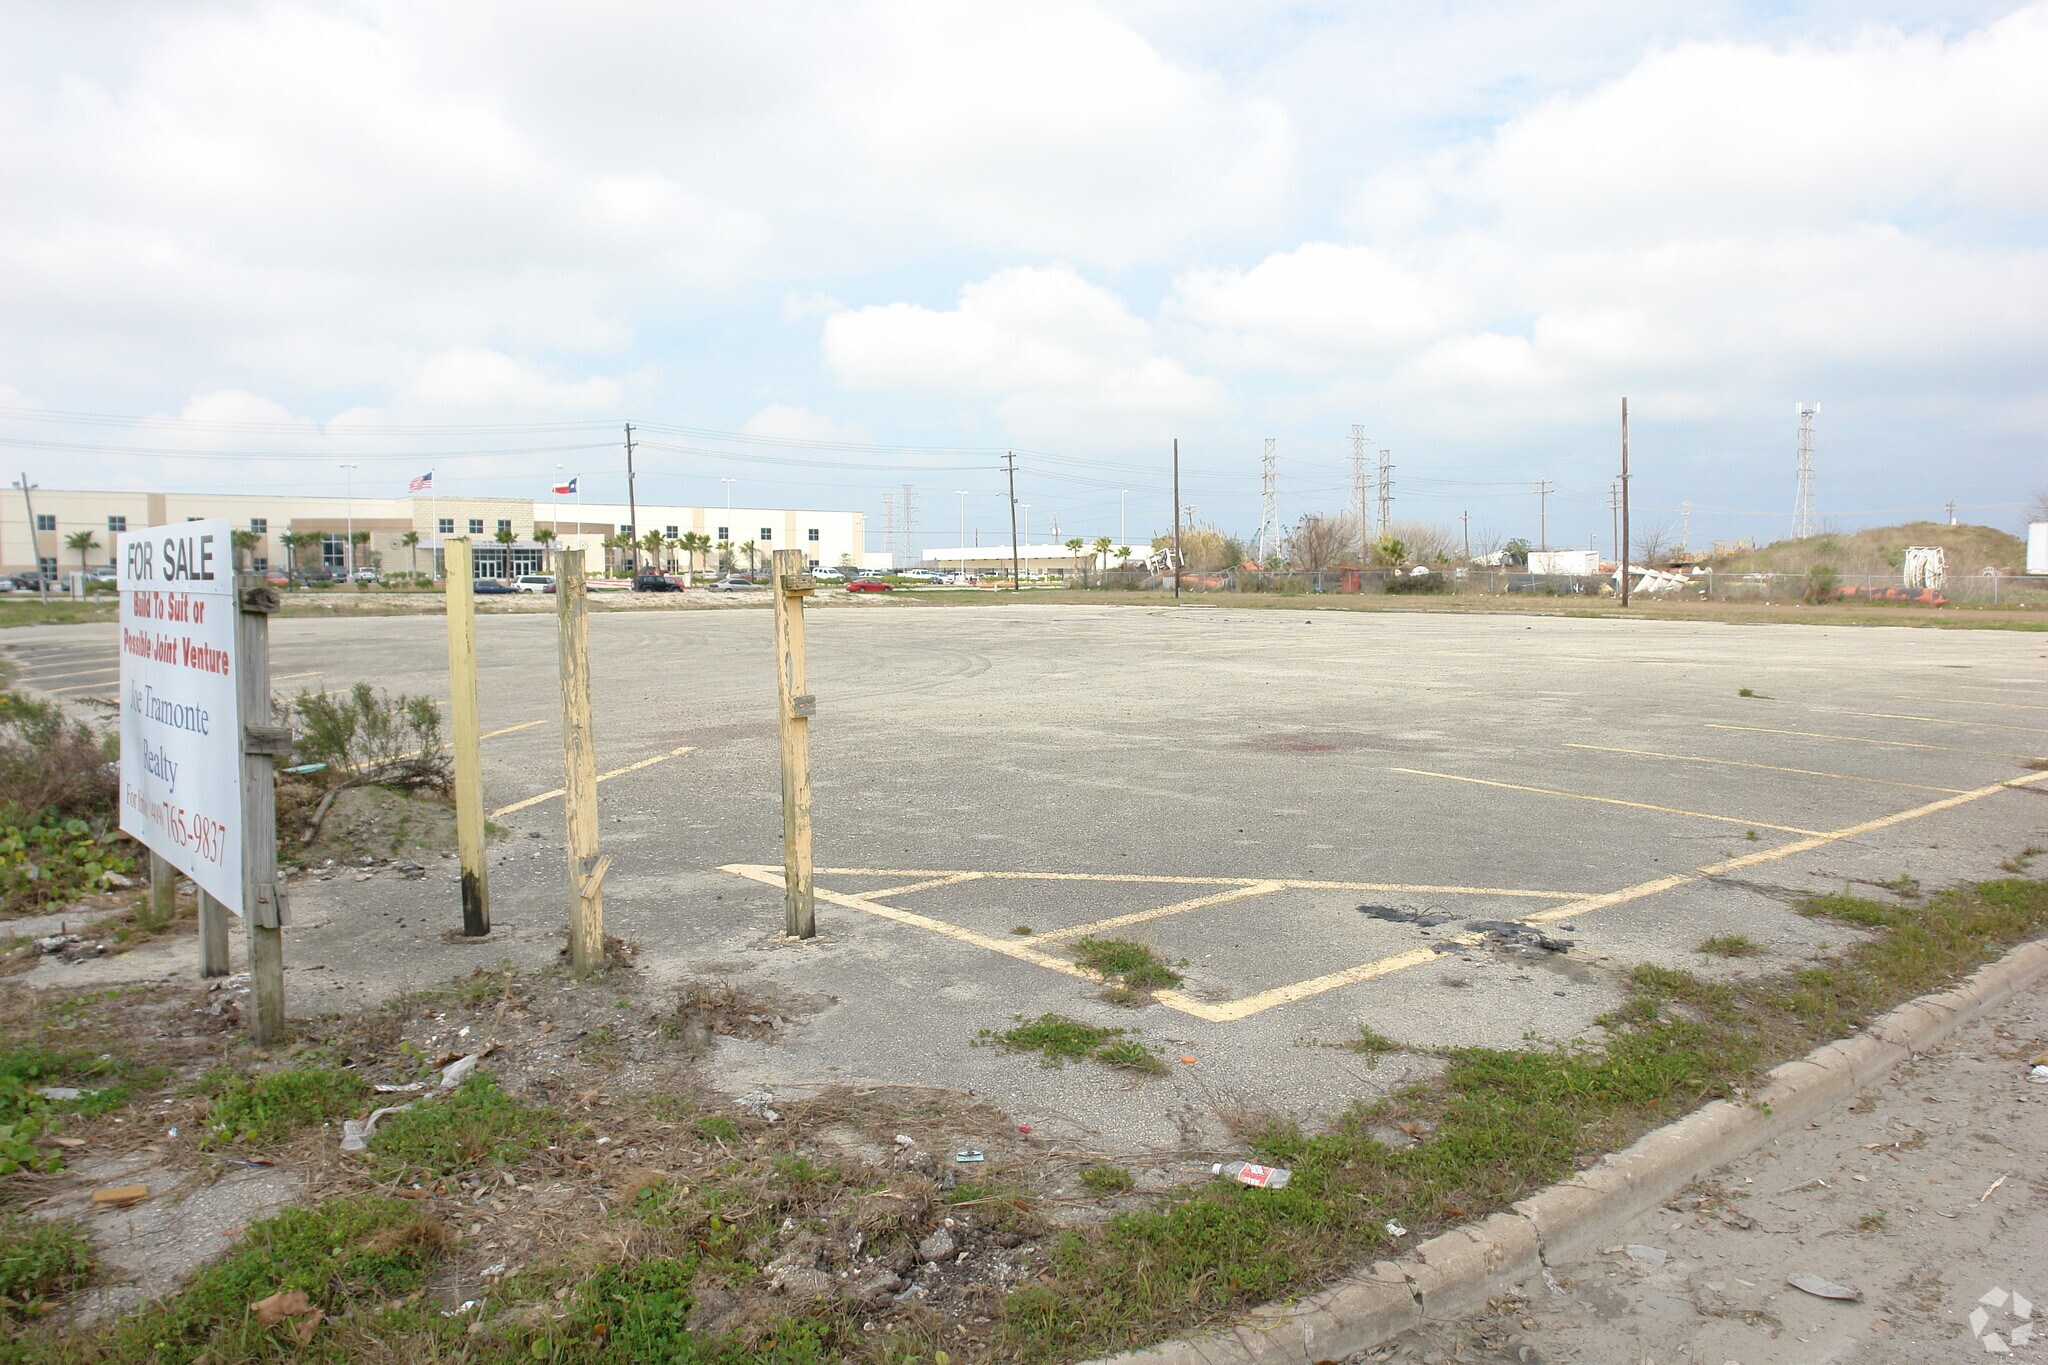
pixel 53 860
pixel 370 736
pixel 52 763
pixel 1820 583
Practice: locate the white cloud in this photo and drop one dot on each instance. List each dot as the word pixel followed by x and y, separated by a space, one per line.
pixel 1053 355
pixel 1318 305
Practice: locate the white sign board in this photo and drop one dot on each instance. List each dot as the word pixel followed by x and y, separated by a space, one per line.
pixel 181 731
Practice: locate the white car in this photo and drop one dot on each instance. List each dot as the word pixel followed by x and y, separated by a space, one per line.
pixel 534 582
pixel 956 580
pixel 825 571
pixel 919 575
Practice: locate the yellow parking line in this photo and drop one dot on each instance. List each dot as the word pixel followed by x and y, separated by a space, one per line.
pixel 1766 767
pixel 929 884
pixel 1231 1011
pixel 1161 912
pixel 1859 739
pixel 511 729
pixel 1604 800
pixel 59 677
pixel 1149 879
pixel 602 777
pixel 1969 701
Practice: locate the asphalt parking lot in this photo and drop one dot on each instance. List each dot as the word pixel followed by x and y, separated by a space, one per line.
pixel 1320 818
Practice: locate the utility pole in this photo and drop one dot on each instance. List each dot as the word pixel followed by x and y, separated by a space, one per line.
pixel 1624 502
pixel 963 530
pixel 35 545
pixel 1466 517
pixel 349 550
pixel 1176 518
pixel 1268 539
pixel 909 535
pixel 1685 529
pixel 1951 513
pixel 1386 492
pixel 1122 535
pixel 1010 462
pixel 632 510
pixel 1542 514
pixel 1614 516
pixel 1802 502
pixel 1361 489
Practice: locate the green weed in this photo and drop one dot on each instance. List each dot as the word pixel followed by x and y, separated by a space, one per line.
pixel 716 1128
pixel 473 1125
pixel 1122 962
pixel 39 1259
pixel 261 1110
pixel 1730 945
pixel 1061 1040
pixel 1104 1181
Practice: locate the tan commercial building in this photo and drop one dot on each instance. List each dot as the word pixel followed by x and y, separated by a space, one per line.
pixel 75 530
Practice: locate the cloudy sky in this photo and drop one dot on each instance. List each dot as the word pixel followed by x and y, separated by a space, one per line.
pixel 827 250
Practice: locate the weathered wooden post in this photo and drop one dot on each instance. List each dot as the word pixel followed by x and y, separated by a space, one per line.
pixel 792 583
pixel 262 741
pixel 163 888
pixel 579 763
pixel 213 936
pixel 462 721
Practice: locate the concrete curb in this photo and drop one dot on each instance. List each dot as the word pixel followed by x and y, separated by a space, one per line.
pixel 1457 1273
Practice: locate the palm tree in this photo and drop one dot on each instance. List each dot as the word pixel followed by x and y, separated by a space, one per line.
pixel 693 544
pixel 546 538
pixel 749 549
pixel 611 543
pixel 725 556
pixel 1075 547
pixel 1101 548
pixel 245 548
pixel 81 541
pixel 411 541
pixel 1123 554
pixel 652 543
pixel 292 541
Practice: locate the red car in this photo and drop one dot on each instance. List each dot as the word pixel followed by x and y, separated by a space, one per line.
pixel 870 585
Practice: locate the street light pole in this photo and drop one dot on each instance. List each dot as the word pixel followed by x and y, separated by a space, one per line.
pixel 348 558
pixel 1123 535
pixel 728 493
pixel 1027 523
pixel 963 530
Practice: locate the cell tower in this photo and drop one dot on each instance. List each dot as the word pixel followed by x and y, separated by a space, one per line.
pixel 909 526
pixel 1386 485
pixel 1268 540
pixel 1802 504
pixel 1361 491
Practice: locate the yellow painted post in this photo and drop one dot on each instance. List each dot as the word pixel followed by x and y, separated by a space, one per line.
pixel 579 766
pixel 792 582
pixel 469 771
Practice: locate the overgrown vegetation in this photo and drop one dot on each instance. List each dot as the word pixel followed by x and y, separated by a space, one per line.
pixel 57 807
pixel 364 735
pixel 1731 945
pixel 1060 1040
pixel 261 1110
pixel 476 1124
pixel 1495 1125
pixel 1130 971
pixel 40 1259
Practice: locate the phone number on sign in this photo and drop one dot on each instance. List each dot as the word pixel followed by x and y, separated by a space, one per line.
pixel 203 833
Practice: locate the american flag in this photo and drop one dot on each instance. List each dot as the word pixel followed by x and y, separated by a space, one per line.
pixel 422 484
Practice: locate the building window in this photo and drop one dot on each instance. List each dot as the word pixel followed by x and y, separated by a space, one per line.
pixel 262 564
pixel 195 518
pixel 725 535
pixel 503 524
pixel 673 532
pixel 812 535
pixel 334 551
pixel 476 526
pixel 260 525
pixel 767 534
pixel 447 526
pixel 47 564
pixel 45 522
pixel 625 530
pixel 117 524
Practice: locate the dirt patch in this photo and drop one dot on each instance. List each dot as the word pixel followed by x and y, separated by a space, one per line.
pixel 1330 743
pixel 365 822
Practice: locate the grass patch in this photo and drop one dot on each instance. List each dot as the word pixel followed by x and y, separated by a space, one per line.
pixel 1105 1181
pixel 39 1260
pixel 1371 1043
pixel 1745 692
pixel 27 1117
pixel 258 1111
pixel 1122 962
pixel 2017 863
pixel 1495 1125
pixel 1060 1040
pixel 348 1256
pixel 1730 945
pixel 475 1124
pixel 716 1128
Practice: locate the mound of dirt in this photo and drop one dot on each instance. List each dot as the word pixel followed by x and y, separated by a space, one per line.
pixel 1882 549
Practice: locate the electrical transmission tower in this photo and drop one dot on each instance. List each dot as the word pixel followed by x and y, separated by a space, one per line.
pixel 1386 486
pixel 1802 504
pixel 909 525
pixel 1268 540
pixel 889 523
pixel 1361 489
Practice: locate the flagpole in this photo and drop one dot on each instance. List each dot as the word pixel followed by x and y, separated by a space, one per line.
pixel 434 511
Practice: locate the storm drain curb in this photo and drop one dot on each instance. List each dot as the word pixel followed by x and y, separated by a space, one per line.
pixel 1456 1274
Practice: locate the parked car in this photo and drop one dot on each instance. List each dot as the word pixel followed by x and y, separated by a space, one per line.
pixel 534 582
pixel 870 585
pixel 30 582
pixel 827 571
pixel 920 575
pixel 654 582
pixel 103 573
pixel 956 580
pixel 364 576
pixel 734 583
pixel 491 587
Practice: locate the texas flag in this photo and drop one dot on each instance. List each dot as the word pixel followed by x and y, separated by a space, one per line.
pixel 569 487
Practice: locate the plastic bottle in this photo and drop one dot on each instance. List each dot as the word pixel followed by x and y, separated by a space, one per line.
pixel 1251 1173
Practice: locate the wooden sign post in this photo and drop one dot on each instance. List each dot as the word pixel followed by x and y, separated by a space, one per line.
pixel 263 741
pixel 792 583
pixel 579 763
pixel 213 936
pixel 462 720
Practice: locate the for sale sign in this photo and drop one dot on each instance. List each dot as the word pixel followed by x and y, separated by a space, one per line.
pixel 181 729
